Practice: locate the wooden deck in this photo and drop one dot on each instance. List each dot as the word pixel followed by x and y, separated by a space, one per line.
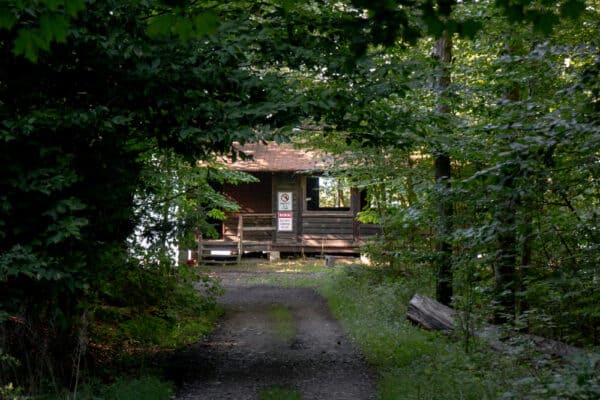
pixel 318 233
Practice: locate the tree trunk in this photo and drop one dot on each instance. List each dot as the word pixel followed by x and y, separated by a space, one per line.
pixel 430 314
pixel 442 51
pixel 506 255
pixel 506 235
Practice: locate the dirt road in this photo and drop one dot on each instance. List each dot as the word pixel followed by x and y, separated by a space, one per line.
pixel 268 336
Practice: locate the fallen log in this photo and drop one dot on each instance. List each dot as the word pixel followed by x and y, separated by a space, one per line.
pixel 432 315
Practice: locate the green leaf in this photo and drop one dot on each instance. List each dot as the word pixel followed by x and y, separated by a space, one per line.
pixel 120 120
pixel 216 214
pixel 54 27
pixel 434 26
pixel 206 23
pixel 288 5
pixel 53 4
pixel 7 19
pixel 72 7
pixel 161 25
pixel 184 28
pixel 29 43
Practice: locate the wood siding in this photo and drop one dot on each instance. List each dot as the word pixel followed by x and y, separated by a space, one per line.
pixel 252 197
pixel 313 231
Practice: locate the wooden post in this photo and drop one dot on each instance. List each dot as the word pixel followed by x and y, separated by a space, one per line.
pixel 240 237
pixel 355 208
pixel 274 256
pixel 329 261
pixel 200 249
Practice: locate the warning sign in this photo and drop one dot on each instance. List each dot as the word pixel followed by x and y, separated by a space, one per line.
pixel 285 221
pixel 285 201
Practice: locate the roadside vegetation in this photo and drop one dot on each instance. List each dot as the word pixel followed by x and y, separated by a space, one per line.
pixel 136 319
pixel 412 363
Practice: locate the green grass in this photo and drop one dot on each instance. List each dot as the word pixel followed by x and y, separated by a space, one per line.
pixel 151 330
pixel 293 273
pixel 292 280
pixel 283 322
pixel 124 388
pixel 277 392
pixel 295 266
pixel 148 388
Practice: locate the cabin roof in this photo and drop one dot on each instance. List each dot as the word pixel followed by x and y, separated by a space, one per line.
pixel 284 157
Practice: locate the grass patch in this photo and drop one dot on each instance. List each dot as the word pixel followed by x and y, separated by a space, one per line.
pixel 412 363
pixel 292 273
pixel 289 280
pixel 292 266
pixel 150 330
pixel 278 392
pixel 283 322
pixel 124 388
pixel 148 388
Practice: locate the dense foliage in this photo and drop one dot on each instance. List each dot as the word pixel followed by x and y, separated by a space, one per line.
pixel 520 126
pixel 92 95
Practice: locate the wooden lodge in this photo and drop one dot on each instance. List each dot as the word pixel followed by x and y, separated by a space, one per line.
pixel 292 208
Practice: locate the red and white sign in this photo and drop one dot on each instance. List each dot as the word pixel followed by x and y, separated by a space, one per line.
pixel 285 221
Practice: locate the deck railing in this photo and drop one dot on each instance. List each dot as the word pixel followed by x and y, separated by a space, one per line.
pixel 314 229
pixel 256 222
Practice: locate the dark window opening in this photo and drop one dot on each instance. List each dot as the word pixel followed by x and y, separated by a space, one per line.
pixel 326 193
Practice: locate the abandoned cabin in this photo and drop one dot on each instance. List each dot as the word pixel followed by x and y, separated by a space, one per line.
pixel 292 208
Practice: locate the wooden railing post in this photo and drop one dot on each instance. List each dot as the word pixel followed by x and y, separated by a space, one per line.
pixel 200 248
pixel 240 237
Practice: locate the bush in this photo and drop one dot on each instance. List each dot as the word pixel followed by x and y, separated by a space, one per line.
pixel 156 307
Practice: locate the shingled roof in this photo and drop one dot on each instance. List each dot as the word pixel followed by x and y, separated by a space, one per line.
pixel 278 157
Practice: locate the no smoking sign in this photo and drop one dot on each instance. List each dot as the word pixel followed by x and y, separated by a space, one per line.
pixel 285 201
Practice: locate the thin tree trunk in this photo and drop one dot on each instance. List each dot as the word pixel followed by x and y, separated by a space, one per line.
pixel 506 237
pixel 506 255
pixel 525 251
pixel 442 51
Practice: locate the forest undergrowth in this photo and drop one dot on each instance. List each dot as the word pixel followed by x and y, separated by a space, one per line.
pixel 138 316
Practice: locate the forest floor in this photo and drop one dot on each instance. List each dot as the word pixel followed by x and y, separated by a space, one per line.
pixel 274 341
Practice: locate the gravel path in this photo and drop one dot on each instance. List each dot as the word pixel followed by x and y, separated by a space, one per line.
pixel 247 353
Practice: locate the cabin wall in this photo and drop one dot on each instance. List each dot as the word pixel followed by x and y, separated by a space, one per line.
pixel 311 230
pixel 252 197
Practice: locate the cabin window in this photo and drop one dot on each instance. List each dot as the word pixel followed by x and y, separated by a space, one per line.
pixel 326 193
